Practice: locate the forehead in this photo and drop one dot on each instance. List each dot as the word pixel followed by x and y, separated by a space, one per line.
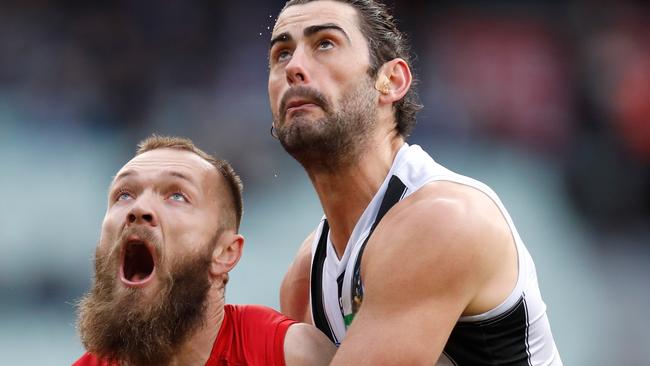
pixel 184 162
pixel 297 17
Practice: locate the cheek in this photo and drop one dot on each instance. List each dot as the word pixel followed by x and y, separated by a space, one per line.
pixel 110 231
pixel 345 69
pixel 191 234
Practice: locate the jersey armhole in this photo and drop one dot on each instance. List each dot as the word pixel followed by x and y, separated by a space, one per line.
pixel 278 340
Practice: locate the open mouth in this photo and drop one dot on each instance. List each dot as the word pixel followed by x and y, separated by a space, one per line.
pixel 137 263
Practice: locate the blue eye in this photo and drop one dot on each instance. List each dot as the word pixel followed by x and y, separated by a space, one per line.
pixel 124 196
pixel 283 56
pixel 178 197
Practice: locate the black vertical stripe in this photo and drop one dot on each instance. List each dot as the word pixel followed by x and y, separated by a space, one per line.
pixel 318 308
pixel 530 361
pixel 394 192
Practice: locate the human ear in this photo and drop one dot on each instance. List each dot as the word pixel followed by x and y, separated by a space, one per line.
pixel 226 253
pixel 393 81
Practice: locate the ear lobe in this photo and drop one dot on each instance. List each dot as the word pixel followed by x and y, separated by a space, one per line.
pixel 394 81
pixel 226 253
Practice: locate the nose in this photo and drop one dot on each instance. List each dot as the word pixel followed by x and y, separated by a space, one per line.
pixel 141 214
pixel 296 69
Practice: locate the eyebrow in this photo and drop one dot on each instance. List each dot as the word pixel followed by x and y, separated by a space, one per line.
pixel 309 31
pixel 122 175
pixel 282 37
pixel 128 173
pixel 181 176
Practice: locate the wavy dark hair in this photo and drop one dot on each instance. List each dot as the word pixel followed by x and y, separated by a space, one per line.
pixel 385 43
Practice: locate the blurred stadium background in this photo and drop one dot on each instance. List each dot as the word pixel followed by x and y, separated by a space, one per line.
pixel 546 101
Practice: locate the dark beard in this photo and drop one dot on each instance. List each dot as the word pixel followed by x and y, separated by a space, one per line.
pixel 334 141
pixel 139 331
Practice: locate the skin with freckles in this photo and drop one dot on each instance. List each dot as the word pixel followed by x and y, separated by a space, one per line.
pixel 177 189
pixel 172 208
pixel 169 199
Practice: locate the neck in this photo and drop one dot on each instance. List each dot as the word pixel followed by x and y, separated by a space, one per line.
pixel 345 193
pixel 196 350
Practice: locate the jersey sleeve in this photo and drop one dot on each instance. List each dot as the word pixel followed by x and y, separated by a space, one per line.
pixel 264 332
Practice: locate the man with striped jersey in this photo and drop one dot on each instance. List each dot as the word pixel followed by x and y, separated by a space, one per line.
pixel 412 263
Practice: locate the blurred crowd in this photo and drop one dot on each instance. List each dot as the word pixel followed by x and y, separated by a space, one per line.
pixel 567 80
pixel 563 85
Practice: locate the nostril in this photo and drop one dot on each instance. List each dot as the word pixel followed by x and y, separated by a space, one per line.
pixel 296 76
pixel 131 218
pixel 147 217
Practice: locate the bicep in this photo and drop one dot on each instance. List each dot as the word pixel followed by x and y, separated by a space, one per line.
pixel 294 290
pixel 305 345
pixel 417 282
pixel 399 329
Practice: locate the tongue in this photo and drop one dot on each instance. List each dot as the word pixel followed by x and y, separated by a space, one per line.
pixel 138 277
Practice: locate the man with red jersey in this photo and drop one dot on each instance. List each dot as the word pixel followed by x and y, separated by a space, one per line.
pixel 169 238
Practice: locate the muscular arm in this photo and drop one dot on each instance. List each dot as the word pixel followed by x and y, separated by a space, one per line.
pixel 294 290
pixel 305 345
pixel 437 255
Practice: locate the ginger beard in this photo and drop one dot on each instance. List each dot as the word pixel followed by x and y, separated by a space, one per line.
pixel 139 328
pixel 335 140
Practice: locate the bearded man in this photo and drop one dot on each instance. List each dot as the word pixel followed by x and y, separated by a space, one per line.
pixel 412 264
pixel 169 238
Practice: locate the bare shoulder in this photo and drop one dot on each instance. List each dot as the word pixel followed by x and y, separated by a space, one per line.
pixel 448 212
pixel 435 256
pixel 452 236
pixel 463 209
pixel 294 290
pixel 304 344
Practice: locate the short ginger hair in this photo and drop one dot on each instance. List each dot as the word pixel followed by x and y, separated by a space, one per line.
pixel 233 182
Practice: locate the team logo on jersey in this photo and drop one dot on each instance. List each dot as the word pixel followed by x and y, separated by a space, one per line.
pixel 357 296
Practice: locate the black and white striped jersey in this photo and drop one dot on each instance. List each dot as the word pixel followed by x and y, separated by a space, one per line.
pixel 516 332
